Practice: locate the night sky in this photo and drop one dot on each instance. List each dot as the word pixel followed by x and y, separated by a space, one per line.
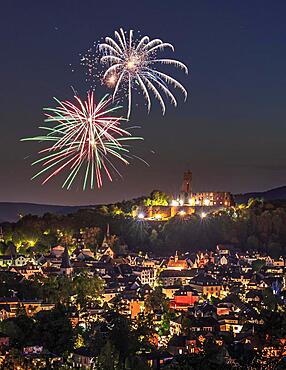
pixel 231 131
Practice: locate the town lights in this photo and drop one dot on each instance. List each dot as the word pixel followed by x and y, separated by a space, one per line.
pixel 181 202
pixel 206 202
pixel 158 216
pixel 192 201
pixel 141 216
pixel 203 215
pixel 182 213
pixel 174 203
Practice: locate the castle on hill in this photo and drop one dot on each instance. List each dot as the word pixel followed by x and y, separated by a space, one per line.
pixel 207 199
pixel 189 202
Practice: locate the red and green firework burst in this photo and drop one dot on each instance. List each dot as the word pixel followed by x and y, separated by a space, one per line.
pixel 83 140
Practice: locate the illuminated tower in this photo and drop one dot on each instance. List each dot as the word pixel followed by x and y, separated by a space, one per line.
pixel 186 188
pixel 187 183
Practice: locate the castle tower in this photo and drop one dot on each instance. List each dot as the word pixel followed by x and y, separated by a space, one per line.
pixel 187 182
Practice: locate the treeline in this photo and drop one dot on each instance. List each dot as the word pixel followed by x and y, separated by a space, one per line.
pixel 257 225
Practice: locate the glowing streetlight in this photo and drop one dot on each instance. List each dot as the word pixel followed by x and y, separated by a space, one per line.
pixel 141 216
pixel 182 213
pixel 192 201
pixel 174 203
pixel 206 202
pixel 203 215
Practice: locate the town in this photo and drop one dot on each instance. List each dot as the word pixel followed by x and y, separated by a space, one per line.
pixel 92 303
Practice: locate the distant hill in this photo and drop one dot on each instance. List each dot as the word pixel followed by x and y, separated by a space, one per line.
pixel 273 194
pixel 11 212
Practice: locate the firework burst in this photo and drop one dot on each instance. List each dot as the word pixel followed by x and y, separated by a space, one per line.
pixel 132 62
pixel 84 138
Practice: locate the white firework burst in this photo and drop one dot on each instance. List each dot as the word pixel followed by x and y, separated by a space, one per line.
pixel 132 62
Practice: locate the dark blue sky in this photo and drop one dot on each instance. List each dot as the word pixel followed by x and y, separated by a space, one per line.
pixel 231 132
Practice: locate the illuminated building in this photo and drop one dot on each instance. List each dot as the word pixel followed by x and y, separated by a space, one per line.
pixel 203 199
pixel 184 298
pixel 187 203
pixel 175 263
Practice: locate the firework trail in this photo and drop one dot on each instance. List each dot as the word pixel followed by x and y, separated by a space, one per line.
pixel 83 138
pixel 132 63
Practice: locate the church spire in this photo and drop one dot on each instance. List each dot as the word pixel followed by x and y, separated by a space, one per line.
pixel 66 263
pixel 66 267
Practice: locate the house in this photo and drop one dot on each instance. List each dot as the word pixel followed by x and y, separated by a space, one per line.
pixel 279 262
pixel 204 310
pixel 253 296
pixel 170 290
pixel 184 298
pixel 145 274
pixel 57 251
pixel 6 261
pixel 203 324
pixel 39 357
pixel 181 344
pixel 4 340
pixel 9 307
pixel 84 254
pixel 223 249
pixel 27 270
pixel 223 260
pixel 5 312
pixel 223 309
pixel 208 286
pixel 230 323
pixel 177 277
pixel 14 260
pixel 82 358
pixel 176 325
pixel 177 345
pixel 128 304
pixel 175 263
pixel 21 260
pixel 202 259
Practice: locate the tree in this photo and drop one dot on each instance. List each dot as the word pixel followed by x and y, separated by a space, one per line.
pixel 157 198
pixel 57 289
pixel 3 248
pixel 55 331
pixel 21 330
pixel 156 300
pixel 86 289
pixel 125 350
pixel 90 236
pixel 108 358
pixel 252 242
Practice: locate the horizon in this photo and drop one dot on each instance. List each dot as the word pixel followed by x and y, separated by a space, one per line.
pixel 122 200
